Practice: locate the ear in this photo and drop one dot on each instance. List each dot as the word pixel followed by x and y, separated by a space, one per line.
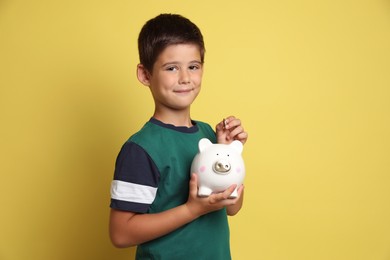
pixel 143 75
pixel 237 145
pixel 203 144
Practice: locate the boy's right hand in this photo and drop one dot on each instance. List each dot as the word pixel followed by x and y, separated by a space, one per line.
pixel 199 206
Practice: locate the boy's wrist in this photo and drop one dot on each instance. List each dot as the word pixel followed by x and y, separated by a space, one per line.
pixel 191 212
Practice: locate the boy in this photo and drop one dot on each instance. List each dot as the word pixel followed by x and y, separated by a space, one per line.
pixel 154 202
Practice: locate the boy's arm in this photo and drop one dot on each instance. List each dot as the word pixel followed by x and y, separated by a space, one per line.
pixel 130 229
pixel 227 130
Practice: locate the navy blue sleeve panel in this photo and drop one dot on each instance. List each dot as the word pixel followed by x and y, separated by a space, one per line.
pixel 134 165
pixel 135 181
pixel 129 206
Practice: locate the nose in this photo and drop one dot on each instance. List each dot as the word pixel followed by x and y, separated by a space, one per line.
pixel 184 77
pixel 222 167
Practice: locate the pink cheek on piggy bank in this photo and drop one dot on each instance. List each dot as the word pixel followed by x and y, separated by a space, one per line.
pixel 202 168
pixel 238 169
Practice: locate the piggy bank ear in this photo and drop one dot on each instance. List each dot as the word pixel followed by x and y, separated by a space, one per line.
pixel 203 144
pixel 237 145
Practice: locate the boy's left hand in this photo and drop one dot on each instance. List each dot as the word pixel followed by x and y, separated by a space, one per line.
pixel 230 129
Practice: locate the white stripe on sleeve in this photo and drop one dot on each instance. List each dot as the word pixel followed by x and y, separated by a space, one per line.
pixel 131 192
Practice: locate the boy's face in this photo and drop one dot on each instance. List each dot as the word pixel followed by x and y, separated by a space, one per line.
pixel 176 77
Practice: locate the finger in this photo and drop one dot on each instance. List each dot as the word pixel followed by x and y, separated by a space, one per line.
pixel 240 190
pixel 242 137
pixel 233 122
pixel 220 126
pixel 230 118
pixel 222 196
pixel 226 194
pixel 228 122
pixel 194 185
pixel 213 198
pixel 235 132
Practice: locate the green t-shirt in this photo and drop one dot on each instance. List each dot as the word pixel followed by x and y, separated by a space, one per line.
pixel 171 150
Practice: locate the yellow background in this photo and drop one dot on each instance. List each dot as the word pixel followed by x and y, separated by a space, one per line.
pixel 309 79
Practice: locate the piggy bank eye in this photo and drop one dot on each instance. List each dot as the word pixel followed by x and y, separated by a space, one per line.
pixel 228 155
pixel 217 154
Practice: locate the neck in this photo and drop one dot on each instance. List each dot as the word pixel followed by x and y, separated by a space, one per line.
pixel 176 118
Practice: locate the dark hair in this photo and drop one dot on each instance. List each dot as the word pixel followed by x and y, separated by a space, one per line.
pixel 165 30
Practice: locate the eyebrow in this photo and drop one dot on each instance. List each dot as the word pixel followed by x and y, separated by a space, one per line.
pixel 177 63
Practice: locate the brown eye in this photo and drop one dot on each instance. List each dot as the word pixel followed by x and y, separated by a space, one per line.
pixel 171 69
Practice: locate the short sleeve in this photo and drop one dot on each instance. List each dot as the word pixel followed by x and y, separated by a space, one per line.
pixel 135 182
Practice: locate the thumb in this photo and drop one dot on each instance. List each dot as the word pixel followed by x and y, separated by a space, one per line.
pixel 194 185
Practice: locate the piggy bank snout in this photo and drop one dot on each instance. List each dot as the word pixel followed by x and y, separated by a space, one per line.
pixel 222 167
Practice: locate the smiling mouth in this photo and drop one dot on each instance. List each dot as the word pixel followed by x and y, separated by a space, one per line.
pixel 183 91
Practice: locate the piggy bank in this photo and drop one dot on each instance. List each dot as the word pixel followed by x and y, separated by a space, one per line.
pixel 218 166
